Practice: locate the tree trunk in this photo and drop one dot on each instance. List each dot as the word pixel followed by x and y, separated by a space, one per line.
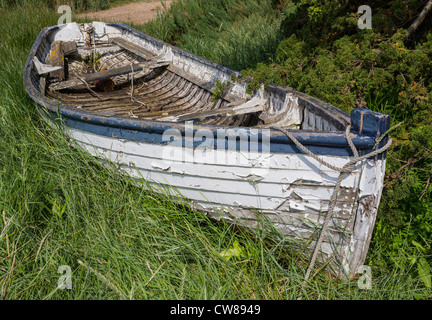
pixel 420 19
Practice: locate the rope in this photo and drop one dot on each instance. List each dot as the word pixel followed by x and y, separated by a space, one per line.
pixel 347 168
pixel 351 144
pixel 91 90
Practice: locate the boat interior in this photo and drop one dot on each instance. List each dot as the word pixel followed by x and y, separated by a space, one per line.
pixel 112 75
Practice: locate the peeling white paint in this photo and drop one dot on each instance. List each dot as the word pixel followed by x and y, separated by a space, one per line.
pixel 161 166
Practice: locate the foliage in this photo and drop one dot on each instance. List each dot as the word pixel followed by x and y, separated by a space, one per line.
pixel 325 55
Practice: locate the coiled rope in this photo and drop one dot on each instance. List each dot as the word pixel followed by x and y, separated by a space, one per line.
pixel 347 168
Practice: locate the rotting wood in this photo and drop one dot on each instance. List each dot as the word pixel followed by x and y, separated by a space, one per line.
pixel 204 85
pixel 148 55
pixel 90 89
pixel 105 85
pixel 69 48
pixel 42 84
pixel 56 59
pixel 43 68
pixel 68 84
pixel 84 51
pixel 254 105
pixel 134 48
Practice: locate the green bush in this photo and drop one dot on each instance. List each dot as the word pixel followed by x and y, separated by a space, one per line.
pixel 325 55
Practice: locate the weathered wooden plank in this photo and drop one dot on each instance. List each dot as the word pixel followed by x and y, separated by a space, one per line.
pixel 42 84
pixel 56 59
pixel 85 51
pixel 96 76
pixel 43 68
pixel 199 82
pixel 254 105
pixel 300 195
pixel 148 55
pixel 134 48
pixel 69 48
pixel 108 74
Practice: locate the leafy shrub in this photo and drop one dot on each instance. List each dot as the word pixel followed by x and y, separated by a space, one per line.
pixel 325 55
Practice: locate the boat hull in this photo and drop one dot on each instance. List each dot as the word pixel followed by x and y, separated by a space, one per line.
pixel 287 194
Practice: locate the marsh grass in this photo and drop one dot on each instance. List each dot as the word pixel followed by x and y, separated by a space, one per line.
pixel 121 239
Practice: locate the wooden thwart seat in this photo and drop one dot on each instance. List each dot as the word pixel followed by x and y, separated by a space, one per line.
pixel 73 83
pixel 152 62
pixel 134 48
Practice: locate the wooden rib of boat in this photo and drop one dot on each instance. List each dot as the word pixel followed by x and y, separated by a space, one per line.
pixel 277 157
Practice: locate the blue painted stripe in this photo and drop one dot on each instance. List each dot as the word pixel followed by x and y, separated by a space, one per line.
pixel 274 144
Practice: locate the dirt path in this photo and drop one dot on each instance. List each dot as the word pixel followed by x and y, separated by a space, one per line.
pixel 138 12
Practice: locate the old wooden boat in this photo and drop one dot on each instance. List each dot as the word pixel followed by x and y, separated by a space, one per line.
pixel 276 158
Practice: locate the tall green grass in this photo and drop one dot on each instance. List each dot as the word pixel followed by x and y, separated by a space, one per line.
pixel 76 5
pixel 59 206
pixel 237 34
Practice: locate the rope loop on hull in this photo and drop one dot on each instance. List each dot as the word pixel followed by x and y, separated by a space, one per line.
pixel 346 169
